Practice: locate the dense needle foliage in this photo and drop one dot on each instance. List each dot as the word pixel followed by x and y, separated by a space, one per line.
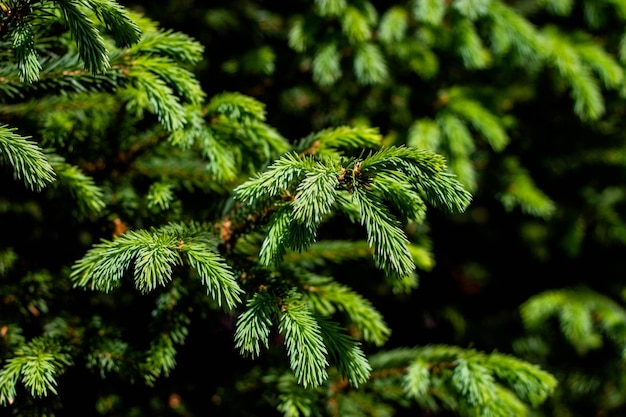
pixel 325 207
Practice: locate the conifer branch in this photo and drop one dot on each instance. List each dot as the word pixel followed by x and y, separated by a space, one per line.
pixel 327 297
pixel 254 324
pixel 355 25
pixel 62 74
pixel 474 54
pixel 309 186
pixel 330 7
pixel 117 21
pixel 470 382
pixel 148 90
pixel 154 254
pixel 237 107
pixel 585 88
pixel 177 46
pixel 583 315
pixel 90 198
pixel 522 192
pixel 182 82
pixel 160 358
pixel 214 272
pixel 512 35
pixel 304 342
pixel 91 45
pixel 26 56
pixel 487 124
pixel 330 142
pixel 326 65
pixel 393 25
pixel 26 158
pixel 425 133
pixel 264 251
pixel 345 351
pixel 36 364
pixel 370 66
pixel 429 11
pixel 385 235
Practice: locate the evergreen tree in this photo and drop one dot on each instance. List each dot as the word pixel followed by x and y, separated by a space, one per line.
pixel 170 238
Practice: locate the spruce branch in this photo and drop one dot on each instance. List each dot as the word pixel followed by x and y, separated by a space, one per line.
pixel 330 7
pixel 107 355
pixel 425 133
pixel 284 233
pixel 154 254
pixel 346 352
pixel 160 360
pixel 91 45
pixel 274 247
pixel 473 381
pixel 36 364
pixel 458 137
pixel 527 381
pixel 370 66
pixel 426 171
pixel 384 234
pixel 474 54
pixel 480 118
pixel 330 142
pixel 601 62
pixel 160 195
pixel 315 195
pixel 117 21
pixel 393 25
pixel 472 9
pixel 63 74
pixel 26 56
pixel 298 38
pixel 147 90
pixel 417 381
pixel 584 86
pixel 327 296
pixel 559 8
pixel 237 124
pixel 401 194
pixel 214 272
pixel 177 46
pixel 277 179
pixel 584 317
pixel 254 324
pixel 429 11
pixel 308 188
pixel 355 25
pixel 90 198
pixel 182 81
pixel 236 106
pixel 469 382
pixel 512 35
pixel 326 65
pixel 304 342
pixel 522 192
pixel 28 161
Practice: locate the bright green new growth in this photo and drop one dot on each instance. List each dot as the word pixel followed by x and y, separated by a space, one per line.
pixel 306 188
pixel 153 256
pixel 261 259
pixel 36 364
pixel 28 161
